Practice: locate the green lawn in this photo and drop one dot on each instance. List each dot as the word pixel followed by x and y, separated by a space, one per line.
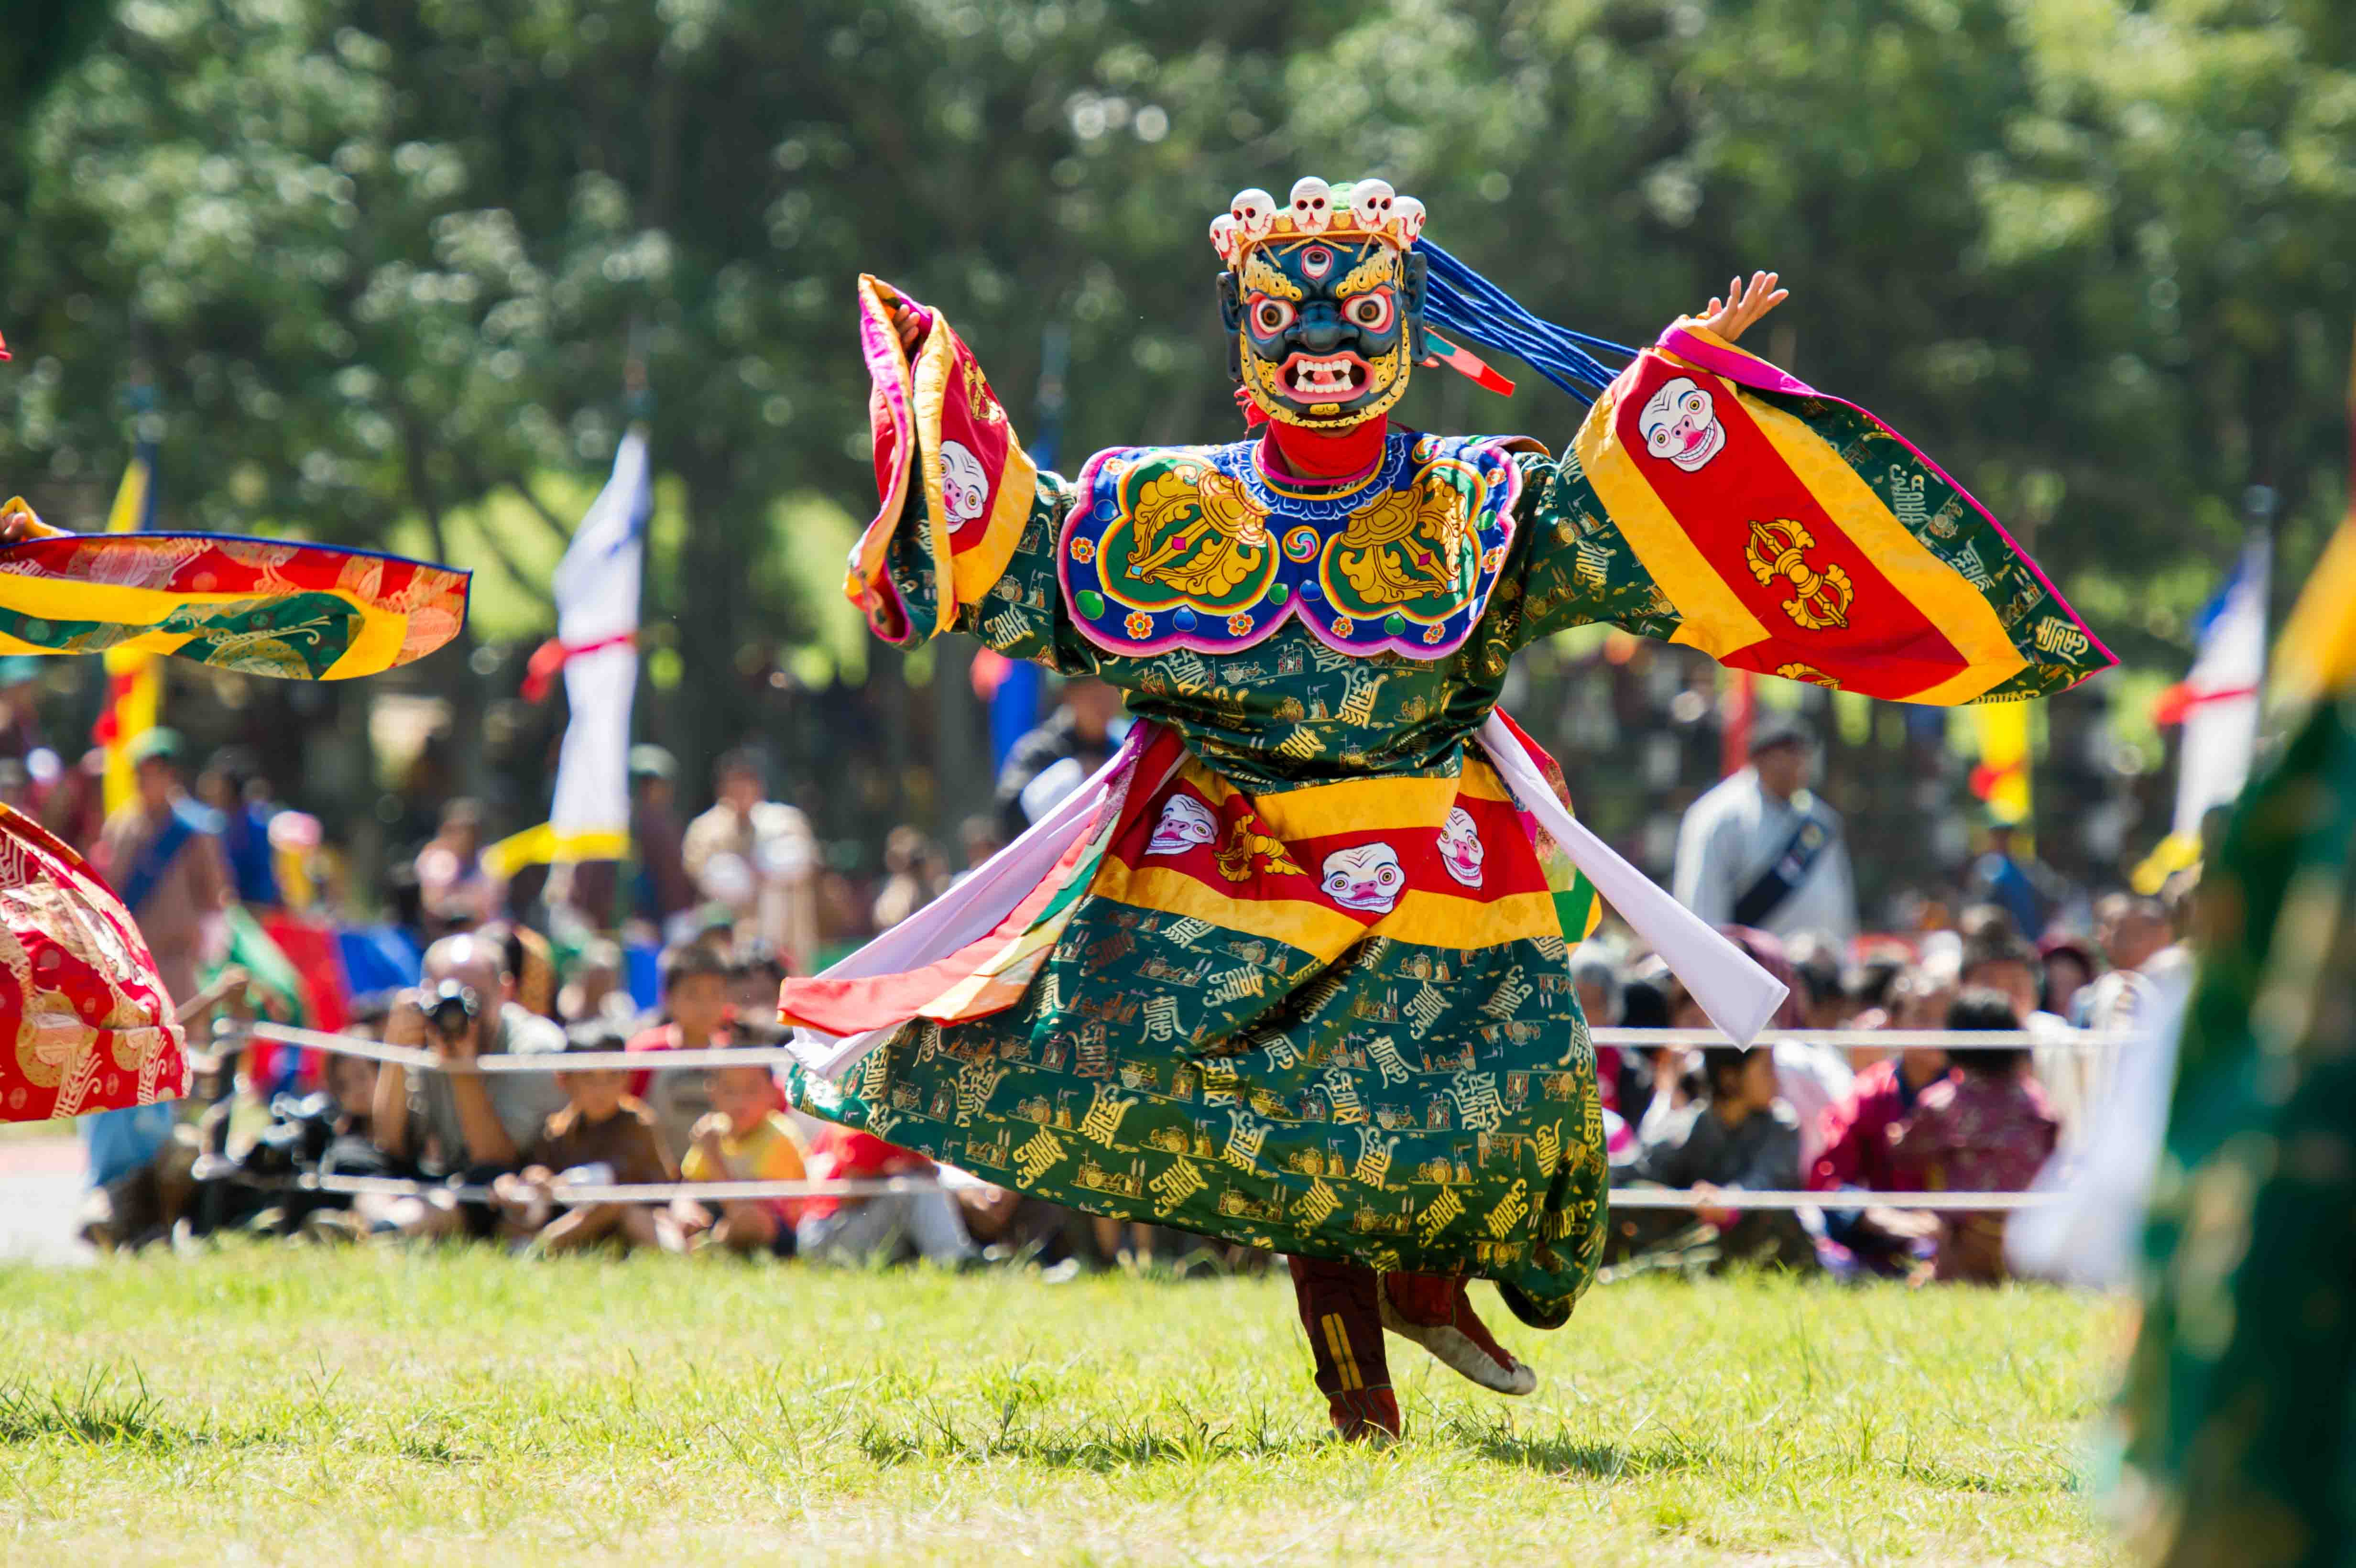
pixel 266 1405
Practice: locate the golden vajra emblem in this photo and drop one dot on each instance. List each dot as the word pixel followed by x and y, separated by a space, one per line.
pixel 1818 599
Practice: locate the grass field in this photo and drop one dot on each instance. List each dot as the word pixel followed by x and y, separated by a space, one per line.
pixel 303 1406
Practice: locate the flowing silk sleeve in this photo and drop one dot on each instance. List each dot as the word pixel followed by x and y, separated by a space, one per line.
pixel 1787 532
pixel 964 536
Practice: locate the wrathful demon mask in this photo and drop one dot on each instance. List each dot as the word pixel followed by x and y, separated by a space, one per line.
pixel 1324 295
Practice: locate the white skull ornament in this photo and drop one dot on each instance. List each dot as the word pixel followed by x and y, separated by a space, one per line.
pixel 1371 203
pixel 965 485
pixel 1254 212
pixel 1313 205
pixel 1368 876
pixel 1185 822
pixel 1460 850
pixel 1679 424
pixel 1223 236
pixel 1409 213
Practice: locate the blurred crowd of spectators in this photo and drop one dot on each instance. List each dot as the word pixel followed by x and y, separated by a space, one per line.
pixel 512 960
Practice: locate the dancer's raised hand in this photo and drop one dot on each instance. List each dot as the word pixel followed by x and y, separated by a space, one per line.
pixel 1744 304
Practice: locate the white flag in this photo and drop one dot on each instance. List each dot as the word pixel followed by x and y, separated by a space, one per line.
pixel 2218 700
pixel 596 592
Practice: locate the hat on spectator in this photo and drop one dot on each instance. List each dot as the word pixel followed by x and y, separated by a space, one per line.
pixel 1779 726
pixel 648 761
pixel 159 744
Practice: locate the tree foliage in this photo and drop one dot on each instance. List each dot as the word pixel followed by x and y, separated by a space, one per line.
pixel 387 258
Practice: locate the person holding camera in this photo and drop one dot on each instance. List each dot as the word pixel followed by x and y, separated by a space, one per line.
pixel 461 1122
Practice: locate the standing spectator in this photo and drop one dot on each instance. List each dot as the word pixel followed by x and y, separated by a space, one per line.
pixel 232 785
pixel 758 857
pixel 979 837
pixel 1760 849
pixel 745 1138
pixel 1985 1129
pixel 458 893
pixel 601 1137
pixel 162 852
pixel 695 1017
pixel 462 1123
pixel 1050 762
pixel 879 1228
pixel 663 894
pixel 913 876
pixel 2008 875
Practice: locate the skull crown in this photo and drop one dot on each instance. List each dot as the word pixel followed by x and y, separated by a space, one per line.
pixel 1363 209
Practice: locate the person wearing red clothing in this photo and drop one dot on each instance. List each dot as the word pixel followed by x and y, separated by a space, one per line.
pixel 1859 1132
pixel 1988 1128
pixel 887 1225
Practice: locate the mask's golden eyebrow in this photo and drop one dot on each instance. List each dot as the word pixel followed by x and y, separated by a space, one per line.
pixel 1372 272
pixel 1262 278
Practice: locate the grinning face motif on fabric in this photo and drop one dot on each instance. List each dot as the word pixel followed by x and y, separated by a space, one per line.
pixel 1680 424
pixel 1366 877
pixel 1460 850
pixel 1325 327
pixel 1185 822
pixel 965 487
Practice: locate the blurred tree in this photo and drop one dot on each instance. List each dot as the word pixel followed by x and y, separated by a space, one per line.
pixel 387 258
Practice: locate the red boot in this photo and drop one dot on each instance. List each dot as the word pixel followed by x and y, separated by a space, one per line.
pixel 1433 1311
pixel 1338 1308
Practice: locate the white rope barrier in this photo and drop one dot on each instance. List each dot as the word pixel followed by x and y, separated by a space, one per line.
pixel 423 1060
pixel 950 1178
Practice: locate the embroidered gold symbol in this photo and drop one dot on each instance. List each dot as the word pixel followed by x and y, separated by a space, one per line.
pixel 978 400
pixel 1246 844
pixel 1818 599
pixel 1806 672
pixel 1191 506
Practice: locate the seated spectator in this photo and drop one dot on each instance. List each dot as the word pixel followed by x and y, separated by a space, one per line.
pixel 878 1229
pixel 1823 999
pixel 1855 1138
pixel 321 1133
pixel 1735 1134
pixel 1644 1004
pixel 745 1138
pixel 753 985
pixel 462 1123
pixel 602 1137
pixel 2004 963
pixel 1810 1077
pixel 593 988
pixel 2070 968
pixel 695 1014
pixel 1595 975
pixel 1985 1129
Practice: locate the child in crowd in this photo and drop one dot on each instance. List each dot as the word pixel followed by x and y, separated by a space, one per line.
pixel 877 1228
pixel 753 985
pixel 1988 1128
pixel 745 1138
pixel 695 980
pixel 1736 1133
pixel 602 1135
